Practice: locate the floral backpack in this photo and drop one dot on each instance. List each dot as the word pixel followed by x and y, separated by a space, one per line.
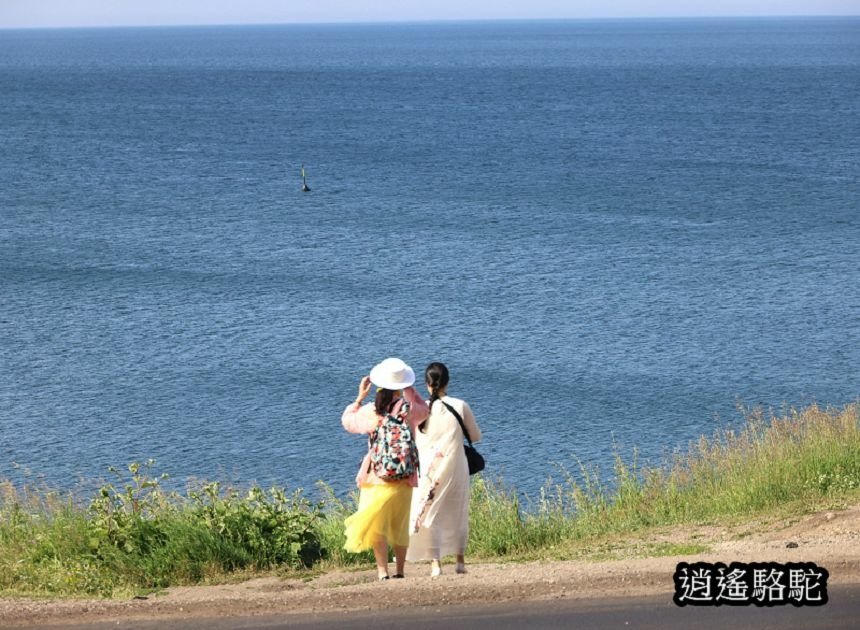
pixel 393 454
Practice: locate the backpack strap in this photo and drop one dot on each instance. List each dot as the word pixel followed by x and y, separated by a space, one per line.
pixel 399 407
pixel 398 410
pixel 459 419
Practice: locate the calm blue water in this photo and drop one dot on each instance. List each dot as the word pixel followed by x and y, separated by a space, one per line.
pixel 612 233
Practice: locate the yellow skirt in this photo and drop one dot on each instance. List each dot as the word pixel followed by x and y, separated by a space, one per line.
pixel 383 513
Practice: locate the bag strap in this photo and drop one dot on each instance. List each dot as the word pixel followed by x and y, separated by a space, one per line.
pixel 398 411
pixel 459 419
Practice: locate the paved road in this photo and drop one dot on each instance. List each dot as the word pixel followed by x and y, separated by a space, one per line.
pixel 841 613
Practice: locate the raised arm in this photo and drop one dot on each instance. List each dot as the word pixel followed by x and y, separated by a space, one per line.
pixel 357 418
pixel 418 409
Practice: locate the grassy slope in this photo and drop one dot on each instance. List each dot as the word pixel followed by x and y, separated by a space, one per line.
pixel 135 537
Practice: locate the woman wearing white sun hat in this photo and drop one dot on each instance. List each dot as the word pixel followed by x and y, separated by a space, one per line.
pixel 382 518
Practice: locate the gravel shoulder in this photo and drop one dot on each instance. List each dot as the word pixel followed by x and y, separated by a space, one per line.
pixel 830 539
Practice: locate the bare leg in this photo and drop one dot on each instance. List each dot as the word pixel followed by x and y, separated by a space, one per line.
pixel 400 558
pixel 380 552
pixel 461 562
pixel 436 563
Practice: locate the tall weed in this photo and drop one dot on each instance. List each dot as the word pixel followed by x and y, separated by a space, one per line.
pixel 134 535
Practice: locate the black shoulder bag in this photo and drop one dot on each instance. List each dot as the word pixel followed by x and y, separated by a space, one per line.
pixel 473 457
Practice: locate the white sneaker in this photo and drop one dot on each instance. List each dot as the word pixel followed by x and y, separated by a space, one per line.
pixel 435 569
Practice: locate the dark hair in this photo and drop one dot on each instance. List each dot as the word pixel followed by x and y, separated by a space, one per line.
pixel 436 377
pixel 384 401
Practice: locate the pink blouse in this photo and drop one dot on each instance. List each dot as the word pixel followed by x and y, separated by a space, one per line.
pixel 363 419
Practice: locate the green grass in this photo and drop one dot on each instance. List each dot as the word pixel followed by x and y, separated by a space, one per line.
pixel 801 461
pixel 134 537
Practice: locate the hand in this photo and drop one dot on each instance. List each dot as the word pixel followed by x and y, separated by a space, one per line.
pixel 364 388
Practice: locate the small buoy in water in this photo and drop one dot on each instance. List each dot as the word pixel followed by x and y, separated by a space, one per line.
pixel 304 181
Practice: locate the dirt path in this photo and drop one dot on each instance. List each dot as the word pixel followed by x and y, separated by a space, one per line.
pixel 829 539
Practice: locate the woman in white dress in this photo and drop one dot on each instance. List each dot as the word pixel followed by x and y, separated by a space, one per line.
pixel 439 519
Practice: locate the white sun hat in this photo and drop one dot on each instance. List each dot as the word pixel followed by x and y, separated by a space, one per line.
pixel 392 374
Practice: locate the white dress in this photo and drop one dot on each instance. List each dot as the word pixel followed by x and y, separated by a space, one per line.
pixel 439 518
